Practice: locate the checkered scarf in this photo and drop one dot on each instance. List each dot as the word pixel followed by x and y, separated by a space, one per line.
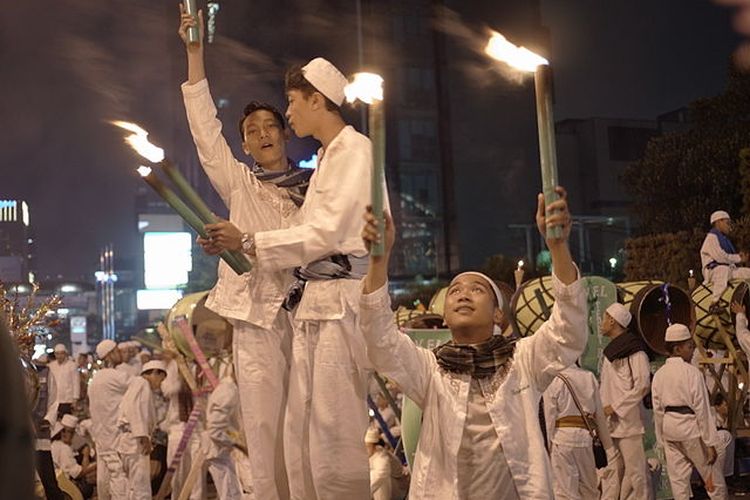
pixel 295 180
pixel 478 360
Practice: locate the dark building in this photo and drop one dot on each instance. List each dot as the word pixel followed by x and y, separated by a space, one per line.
pixel 16 242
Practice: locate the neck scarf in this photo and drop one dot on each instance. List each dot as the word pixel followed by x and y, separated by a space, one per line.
pixel 724 241
pixel 294 179
pixel 623 346
pixel 478 360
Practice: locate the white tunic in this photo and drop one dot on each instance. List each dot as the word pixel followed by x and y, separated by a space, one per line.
pixel 711 252
pixel 253 206
pixel 681 384
pixel 105 395
pixel 512 394
pixel 624 383
pixel 222 417
pixel 137 417
pixel 331 222
pixel 559 403
pixel 68 382
pixel 64 459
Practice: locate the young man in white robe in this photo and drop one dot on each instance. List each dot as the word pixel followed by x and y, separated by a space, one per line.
pixel 105 395
pixel 135 425
pixel 625 380
pixel 68 383
pixel 571 454
pixel 263 197
pixel 64 457
pixel 481 436
pixel 326 416
pixel 684 424
pixel 719 258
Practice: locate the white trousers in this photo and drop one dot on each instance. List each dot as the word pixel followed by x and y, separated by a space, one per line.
pixel 626 478
pixel 225 478
pixel 327 415
pixel 183 468
pixel 574 473
pixel 681 457
pixel 137 467
pixel 719 276
pixel 111 481
pixel 261 361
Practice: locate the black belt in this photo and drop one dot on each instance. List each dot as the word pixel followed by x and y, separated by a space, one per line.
pixel 682 410
pixel 713 264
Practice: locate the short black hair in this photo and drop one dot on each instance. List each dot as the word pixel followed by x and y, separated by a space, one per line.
pixel 295 80
pixel 671 346
pixel 254 106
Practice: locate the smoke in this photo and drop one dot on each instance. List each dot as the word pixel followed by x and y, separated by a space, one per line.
pixel 741 24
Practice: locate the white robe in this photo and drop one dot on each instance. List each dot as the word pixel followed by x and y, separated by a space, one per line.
pixel 512 393
pixel 137 419
pixel 68 388
pixel 65 460
pixel 222 417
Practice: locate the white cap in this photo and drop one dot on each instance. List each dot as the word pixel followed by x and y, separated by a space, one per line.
pixel 67 421
pixel 718 215
pixel 493 286
pixel 677 333
pixel 372 436
pixel 145 351
pixel 325 77
pixel 105 347
pixel 620 314
pixel 61 348
pixel 154 365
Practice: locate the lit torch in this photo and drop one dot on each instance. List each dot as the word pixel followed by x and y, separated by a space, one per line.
pixel 524 60
pixel 138 140
pixel 368 88
pixel 518 274
pixel 691 280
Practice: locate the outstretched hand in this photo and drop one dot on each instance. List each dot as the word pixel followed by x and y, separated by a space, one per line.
pixel 556 214
pixel 188 21
pixel 371 235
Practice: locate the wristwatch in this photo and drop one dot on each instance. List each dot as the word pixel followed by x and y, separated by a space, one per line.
pixel 248 243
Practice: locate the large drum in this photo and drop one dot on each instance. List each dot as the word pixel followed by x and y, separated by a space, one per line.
pixel 413 318
pixel 705 326
pixel 212 332
pixel 653 305
pixel 531 305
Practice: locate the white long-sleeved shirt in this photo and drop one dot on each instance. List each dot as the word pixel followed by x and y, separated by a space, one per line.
pixel 624 382
pixel 64 459
pixel 137 416
pixel 559 403
pixel 105 395
pixel 222 417
pixel 512 394
pixel 743 334
pixel 331 223
pixel 678 383
pixel 254 206
pixel 711 251
pixel 380 475
pixel 68 388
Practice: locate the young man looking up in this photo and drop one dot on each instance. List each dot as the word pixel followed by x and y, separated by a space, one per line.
pixel 262 197
pixel 480 393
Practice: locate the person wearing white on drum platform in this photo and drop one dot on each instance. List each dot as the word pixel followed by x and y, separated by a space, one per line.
pixel 625 380
pixel 684 424
pixel 480 392
pixel 719 258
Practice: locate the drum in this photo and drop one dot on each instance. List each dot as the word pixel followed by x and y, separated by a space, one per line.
pixel 531 305
pixel 412 318
pixel 212 332
pixel 654 305
pixel 705 325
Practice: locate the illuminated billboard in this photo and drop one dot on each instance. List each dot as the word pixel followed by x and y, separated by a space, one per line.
pixel 156 299
pixel 167 259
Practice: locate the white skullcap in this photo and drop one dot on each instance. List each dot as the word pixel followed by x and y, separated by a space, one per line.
pixel 493 286
pixel 105 347
pixel 325 77
pixel 154 365
pixel 61 348
pixel 620 314
pixel 677 333
pixel 69 420
pixel 145 351
pixel 372 436
pixel 718 215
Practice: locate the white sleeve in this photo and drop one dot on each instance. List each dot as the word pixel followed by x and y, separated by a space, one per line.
pixel 560 340
pixel 140 412
pixel 391 352
pixel 76 379
pixel 641 372
pixel 550 410
pixel 658 408
pixel 712 248
pixel 65 460
pixel 702 408
pixel 222 403
pixel 602 427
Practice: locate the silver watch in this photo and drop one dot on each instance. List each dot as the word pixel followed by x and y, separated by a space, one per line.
pixel 248 243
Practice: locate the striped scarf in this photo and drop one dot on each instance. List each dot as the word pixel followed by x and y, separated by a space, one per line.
pixel 295 180
pixel 478 360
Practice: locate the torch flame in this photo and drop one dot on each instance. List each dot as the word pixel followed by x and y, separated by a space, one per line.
pixel 520 58
pixel 520 264
pixel 138 140
pixel 143 171
pixel 367 87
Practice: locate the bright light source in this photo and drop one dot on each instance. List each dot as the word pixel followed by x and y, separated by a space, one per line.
pixel 520 58
pixel 156 299
pixel 367 87
pixel 138 140
pixel 612 262
pixel 167 259
pixel 520 264
pixel 69 288
pixel 143 171
pixel 311 163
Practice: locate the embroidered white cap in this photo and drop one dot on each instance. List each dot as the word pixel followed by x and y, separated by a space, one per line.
pixel 154 365
pixel 620 314
pixel 61 348
pixel 325 77
pixel 372 436
pixel 677 333
pixel 105 347
pixel 719 215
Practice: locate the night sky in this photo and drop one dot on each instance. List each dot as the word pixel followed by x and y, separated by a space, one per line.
pixel 68 66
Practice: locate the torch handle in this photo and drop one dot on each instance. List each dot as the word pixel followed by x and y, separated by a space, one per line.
pixel 377 137
pixel 547 149
pixel 194 34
